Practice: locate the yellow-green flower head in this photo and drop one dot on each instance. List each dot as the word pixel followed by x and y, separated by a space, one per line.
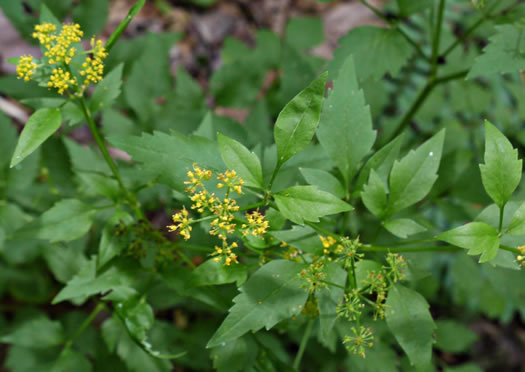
pixel 93 68
pixel 61 80
pixel 58 49
pixel 45 34
pixel 26 67
pixel 257 225
pixel 183 224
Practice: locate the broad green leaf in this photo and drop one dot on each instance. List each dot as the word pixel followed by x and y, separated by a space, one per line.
pixel 412 177
pixel 409 320
pixel 374 195
pixel 137 315
pixel 304 32
pixel 381 162
pixel 376 51
pixel 243 161
pixel 40 126
pixel 328 298
pixel 92 16
pixel 501 173
pixel 274 293
pixel 107 90
pixel 362 269
pixel 345 128
pixel 308 203
pixel 297 122
pixel 87 283
pixel 215 273
pixel 67 220
pixel 517 224
pixel 111 243
pixel 503 54
pixel 477 237
pixel 403 227
pixel 169 157
pixel 39 333
pixel 324 181
pixel 453 337
pixel 64 262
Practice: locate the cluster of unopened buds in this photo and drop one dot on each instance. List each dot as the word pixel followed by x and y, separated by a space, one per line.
pixel 314 276
pixel 360 339
pixel 223 209
pixel 521 256
pixel 58 68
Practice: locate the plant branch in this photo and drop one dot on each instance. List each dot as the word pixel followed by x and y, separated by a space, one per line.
pixel 302 346
pixel 436 41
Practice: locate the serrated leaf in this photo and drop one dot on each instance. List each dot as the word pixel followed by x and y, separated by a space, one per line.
pixel 409 319
pixel 412 177
pixel 236 355
pixel 67 220
pixel 477 237
pixel 169 157
pixel 216 273
pixel 40 126
pixel 501 173
pixel 503 54
pixel 345 128
pixel 297 122
pixel 376 51
pixel 243 161
pixel 374 195
pixel 453 337
pixel 517 224
pixel 328 298
pixel 324 180
pixel 403 227
pixel 274 293
pixel 308 203
pixel 107 90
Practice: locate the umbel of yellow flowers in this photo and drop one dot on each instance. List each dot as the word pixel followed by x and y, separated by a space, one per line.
pixel 59 53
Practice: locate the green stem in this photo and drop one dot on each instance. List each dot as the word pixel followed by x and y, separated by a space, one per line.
pixel 439 248
pixel 500 225
pixel 81 329
pixel 274 174
pixel 252 206
pixel 302 346
pixel 332 284
pixel 510 249
pixel 436 41
pixel 105 153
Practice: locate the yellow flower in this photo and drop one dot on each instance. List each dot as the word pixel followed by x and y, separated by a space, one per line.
pixel 231 181
pixel 93 68
pixel 58 46
pixel 45 34
pixel 182 224
pixel 256 226
pixel 521 257
pixel 226 252
pixel 25 67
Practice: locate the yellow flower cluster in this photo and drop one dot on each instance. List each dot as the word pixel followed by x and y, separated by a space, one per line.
pixel 226 251
pixel 182 224
pixel 94 67
pixel 58 47
pixel 59 53
pixel 25 67
pixel 256 225
pixel 521 256
pixel 196 177
pixel 292 254
pixel 61 80
pixel 231 181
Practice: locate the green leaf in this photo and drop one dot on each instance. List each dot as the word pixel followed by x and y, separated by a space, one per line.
pixel 403 227
pixel 328 298
pixel 304 32
pixel 216 273
pixel 137 315
pixel 501 173
pixel 376 51
pixel 374 195
pixel 92 16
pixel 408 318
pixel 408 7
pixel 477 237
pixel 40 126
pixel 503 54
pixel 517 224
pixel 133 11
pixel 243 161
pixel 381 162
pixel 39 333
pixel 453 337
pixel 107 90
pixel 324 180
pixel 274 293
pixel 412 177
pixel 64 262
pixel 297 122
pixel 67 220
pixel 308 203
pixel 345 129
pixel 236 355
pixel 169 157
pixel 362 269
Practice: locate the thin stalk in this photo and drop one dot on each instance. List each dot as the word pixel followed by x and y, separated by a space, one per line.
pixel 436 40
pixel 105 153
pixel 500 225
pixel 439 248
pixel 332 284
pixel 510 249
pixel 302 346
pixel 274 174
pixel 81 329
